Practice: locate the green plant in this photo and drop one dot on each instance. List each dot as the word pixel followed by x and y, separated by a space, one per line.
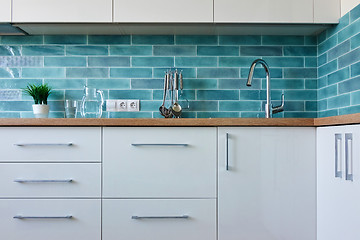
pixel 40 93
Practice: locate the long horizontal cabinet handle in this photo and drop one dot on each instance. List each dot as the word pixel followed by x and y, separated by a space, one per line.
pixel 159 217
pixel 43 180
pixel 43 144
pixel 160 144
pixel 42 217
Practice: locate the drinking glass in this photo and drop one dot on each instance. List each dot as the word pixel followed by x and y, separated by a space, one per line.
pixel 70 108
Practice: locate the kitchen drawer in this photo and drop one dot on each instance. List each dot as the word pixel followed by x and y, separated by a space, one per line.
pixel 159 162
pixel 60 144
pixel 164 219
pixel 50 180
pixel 84 224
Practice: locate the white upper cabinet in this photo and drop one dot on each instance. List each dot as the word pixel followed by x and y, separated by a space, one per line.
pixel 162 11
pixel 62 11
pixel 263 11
pixel 326 11
pixel 5 10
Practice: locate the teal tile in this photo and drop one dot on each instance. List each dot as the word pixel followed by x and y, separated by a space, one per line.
pixel 131 50
pixel 152 61
pixel 87 72
pixel 217 95
pixel 66 83
pixel 327 45
pixel 204 106
pixel 130 94
pixel 87 50
pixel 339 50
pixel 187 94
pixel 130 72
pixel 187 72
pixel 322 59
pixel 218 114
pixel 196 40
pixel 150 106
pixel 311 40
pixel 298 106
pixel 152 39
pixel 56 95
pixel 322 82
pixel 339 101
pixel 287 84
pixel 9 72
pixel 195 61
pixel 260 51
pixel 43 50
pixel 130 114
pixel 349 58
pixel 218 73
pixel 355 98
pixel 249 94
pixel 311 62
pixel 311 84
pixel 238 84
pixel 200 83
pixel 109 39
pixel 329 113
pixel 322 37
pixel 9 115
pixel 283 40
pixel 326 92
pixel 300 114
pixel 300 51
pixel 19 61
pixel 355 69
pixel 113 83
pixel 328 68
pixel 311 106
pixel 349 85
pixel 239 40
pixel 17 83
pixel 349 110
pixel 349 31
pixel 343 22
pixel 174 50
pixel 10 51
pixel 260 72
pixel 252 114
pixel 43 72
pixel 339 76
pixel 285 61
pixel 355 14
pixel 15 106
pixel 240 106
pixel 109 61
pixel 65 39
pixel 37 39
pixel 147 83
pixel 64 61
pixel 235 61
pixel 217 51
pixel 322 105
pixel 300 94
pixel 74 94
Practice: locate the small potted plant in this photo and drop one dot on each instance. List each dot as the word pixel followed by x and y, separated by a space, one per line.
pixel 40 94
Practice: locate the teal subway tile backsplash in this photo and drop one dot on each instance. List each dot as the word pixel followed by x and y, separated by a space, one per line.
pixel 239 40
pixel 261 51
pixel 196 40
pixel 131 50
pixel 108 39
pixel 37 39
pixel 109 61
pixel 42 50
pixel 87 50
pixel 196 61
pixel 65 61
pixel 279 40
pixel 174 50
pixel 217 51
pixel 65 39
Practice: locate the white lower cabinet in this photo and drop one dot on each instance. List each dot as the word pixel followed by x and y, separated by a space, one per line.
pixel 266 187
pixel 35 219
pixel 159 219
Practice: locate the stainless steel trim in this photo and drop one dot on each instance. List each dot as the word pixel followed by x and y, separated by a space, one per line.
pixel 227 152
pixel 348 157
pixel 42 217
pixel 159 217
pixel 338 155
pixel 42 181
pixel 43 144
pixel 160 144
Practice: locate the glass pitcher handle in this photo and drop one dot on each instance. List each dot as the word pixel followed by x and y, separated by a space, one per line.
pixel 102 101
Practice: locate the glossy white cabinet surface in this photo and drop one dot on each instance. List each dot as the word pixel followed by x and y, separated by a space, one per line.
pixel 5 10
pixel 263 11
pixel 327 11
pixel 62 11
pixel 159 162
pixel 118 222
pixel 55 144
pixel 50 180
pixel 84 224
pixel 338 197
pixel 268 191
pixel 163 11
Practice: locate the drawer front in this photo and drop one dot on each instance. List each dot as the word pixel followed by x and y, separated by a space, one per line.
pixel 50 144
pixel 159 219
pixel 50 180
pixel 84 224
pixel 159 162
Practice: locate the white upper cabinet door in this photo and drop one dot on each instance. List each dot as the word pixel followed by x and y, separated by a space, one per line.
pixel 263 11
pixel 62 11
pixel 327 11
pixel 163 11
pixel 5 10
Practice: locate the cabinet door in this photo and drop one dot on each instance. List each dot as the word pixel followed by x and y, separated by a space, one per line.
pixel 266 184
pixel 327 11
pixel 163 11
pixel 263 11
pixel 5 10
pixel 62 11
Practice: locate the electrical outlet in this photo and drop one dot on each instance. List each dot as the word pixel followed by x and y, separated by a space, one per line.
pixel 121 106
pixel 133 105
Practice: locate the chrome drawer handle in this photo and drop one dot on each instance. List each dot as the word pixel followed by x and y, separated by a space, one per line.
pixel 43 144
pixel 159 217
pixel 349 157
pixel 42 217
pixel 160 144
pixel 42 181
pixel 338 155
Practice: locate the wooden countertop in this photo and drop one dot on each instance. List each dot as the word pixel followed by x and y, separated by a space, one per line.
pixel 183 122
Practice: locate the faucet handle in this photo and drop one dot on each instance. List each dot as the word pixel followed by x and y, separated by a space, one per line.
pixel 279 108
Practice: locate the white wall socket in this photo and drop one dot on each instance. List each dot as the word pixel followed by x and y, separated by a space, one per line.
pixel 122 105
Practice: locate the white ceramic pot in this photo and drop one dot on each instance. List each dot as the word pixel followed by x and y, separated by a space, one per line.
pixel 40 110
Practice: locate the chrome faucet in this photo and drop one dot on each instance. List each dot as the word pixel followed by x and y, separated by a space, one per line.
pixel 269 109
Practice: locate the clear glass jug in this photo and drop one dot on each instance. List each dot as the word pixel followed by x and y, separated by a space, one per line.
pixel 92 103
